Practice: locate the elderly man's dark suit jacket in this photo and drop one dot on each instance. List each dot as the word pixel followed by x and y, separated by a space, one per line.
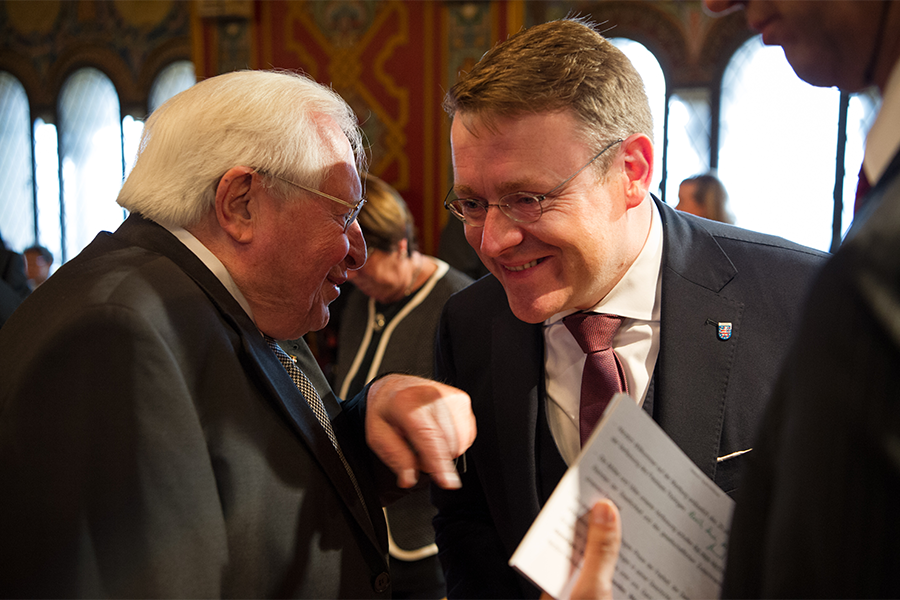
pixel 151 444
pixel 706 393
pixel 818 516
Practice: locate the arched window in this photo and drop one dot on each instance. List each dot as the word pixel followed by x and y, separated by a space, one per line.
pixel 16 207
pixel 687 139
pixel 172 80
pixel 780 139
pixel 91 158
pixel 88 149
pixel 648 67
pixel 131 140
pixel 46 165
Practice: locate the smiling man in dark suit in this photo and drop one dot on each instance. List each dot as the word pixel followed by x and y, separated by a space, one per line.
pixel 552 161
pixel 154 442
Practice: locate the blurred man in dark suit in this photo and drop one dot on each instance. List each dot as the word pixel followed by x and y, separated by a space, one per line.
pixel 818 516
pixel 817 513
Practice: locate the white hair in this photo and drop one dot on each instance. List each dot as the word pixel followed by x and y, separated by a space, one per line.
pixel 258 119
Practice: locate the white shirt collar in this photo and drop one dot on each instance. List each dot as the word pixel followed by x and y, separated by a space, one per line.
pixel 883 140
pixel 212 263
pixel 636 296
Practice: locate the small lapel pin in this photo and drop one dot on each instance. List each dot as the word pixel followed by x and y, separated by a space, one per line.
pixel 723 330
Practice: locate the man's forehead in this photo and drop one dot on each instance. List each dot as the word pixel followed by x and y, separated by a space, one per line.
pixel 340 170
pixel 476 124
pixel 482 125
pixel 519 161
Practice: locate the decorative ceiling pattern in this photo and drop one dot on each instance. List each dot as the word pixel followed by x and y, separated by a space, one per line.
pixel 44 41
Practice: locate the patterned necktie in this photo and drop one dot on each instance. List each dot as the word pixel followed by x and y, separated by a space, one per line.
pixel 315 403
pixel 603 376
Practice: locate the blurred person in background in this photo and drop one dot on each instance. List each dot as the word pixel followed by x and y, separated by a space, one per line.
pixel 704 196
pixel 38 261
pixel 388 324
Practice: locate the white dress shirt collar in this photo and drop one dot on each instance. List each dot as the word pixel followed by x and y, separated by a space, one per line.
pixel 212 263
pixel 636 296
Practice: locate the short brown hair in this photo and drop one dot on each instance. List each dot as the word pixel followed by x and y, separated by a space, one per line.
pixel 385 219
pixel 556 66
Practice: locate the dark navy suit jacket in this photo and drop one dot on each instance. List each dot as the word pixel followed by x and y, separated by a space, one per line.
pixel 707 394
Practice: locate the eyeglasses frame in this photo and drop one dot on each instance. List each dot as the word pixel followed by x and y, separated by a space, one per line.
pixel 351 216
pixel 539 197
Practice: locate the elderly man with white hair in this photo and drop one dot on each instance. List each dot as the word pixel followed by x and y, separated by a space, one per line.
pixel 154 441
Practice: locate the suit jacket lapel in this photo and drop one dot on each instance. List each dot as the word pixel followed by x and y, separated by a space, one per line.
pixel 692 357
pixel 295 407
pixel 282 391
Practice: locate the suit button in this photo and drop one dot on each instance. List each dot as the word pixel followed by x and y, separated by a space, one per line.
pixel 382 583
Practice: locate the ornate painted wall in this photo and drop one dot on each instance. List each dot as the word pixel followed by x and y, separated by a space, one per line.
pixel 692 48
pixel 394 59
pixel 391 59
pixel 388 59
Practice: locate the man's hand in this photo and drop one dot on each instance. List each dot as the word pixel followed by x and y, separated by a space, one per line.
pixel 416 424
pixel 601 552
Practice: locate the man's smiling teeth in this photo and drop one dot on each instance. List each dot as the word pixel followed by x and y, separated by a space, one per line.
pixel 525 266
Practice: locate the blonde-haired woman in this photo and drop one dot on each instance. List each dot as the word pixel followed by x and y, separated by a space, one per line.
pixel 388 324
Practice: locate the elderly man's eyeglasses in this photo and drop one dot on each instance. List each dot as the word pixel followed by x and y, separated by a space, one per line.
pixel 521 207
pixel 348 218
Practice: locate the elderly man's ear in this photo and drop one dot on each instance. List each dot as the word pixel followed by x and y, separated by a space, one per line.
pixel 236 203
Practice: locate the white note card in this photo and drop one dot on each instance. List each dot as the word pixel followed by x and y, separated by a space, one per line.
pixel 675 520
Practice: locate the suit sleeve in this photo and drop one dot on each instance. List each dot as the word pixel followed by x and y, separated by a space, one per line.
pixel 469 547
pixel 350 427
pixel 108 489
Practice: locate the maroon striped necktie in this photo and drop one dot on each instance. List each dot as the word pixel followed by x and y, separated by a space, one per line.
pixel 603 376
